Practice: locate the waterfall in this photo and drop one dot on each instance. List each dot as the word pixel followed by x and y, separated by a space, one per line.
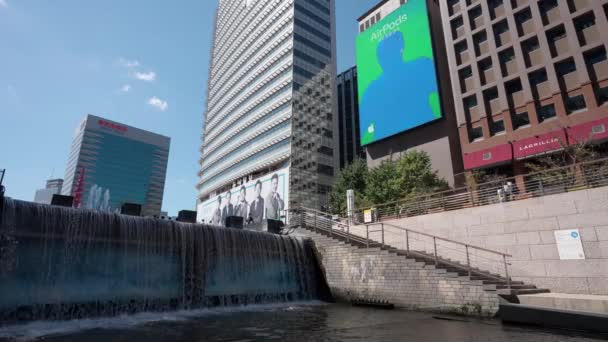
pixel 64 263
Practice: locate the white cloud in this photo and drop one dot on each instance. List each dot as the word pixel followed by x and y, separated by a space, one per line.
pixel 125 62
pixel 3 3
pixel 158 103
pixel 145 76
pixel 125 88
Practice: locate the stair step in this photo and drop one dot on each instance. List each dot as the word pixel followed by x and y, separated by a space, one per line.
pixel 517 292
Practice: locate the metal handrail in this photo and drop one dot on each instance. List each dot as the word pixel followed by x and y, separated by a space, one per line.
pixel 552 181
pixel 324 221
pixel 2 172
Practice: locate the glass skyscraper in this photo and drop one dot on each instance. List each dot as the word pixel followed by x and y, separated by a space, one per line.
pixel 269 101
pixel 111 164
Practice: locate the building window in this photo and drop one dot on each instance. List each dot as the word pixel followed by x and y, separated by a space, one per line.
pixel 497 127
pixel 453 6
pixel 597 67
pixel 575 104
pixel 548 11
pixel 546 112
pixel 475 133
pixel 378 17
pixel 361 27
pixel 481 43
pixel 501 33
pixel 475 18
pixel 325 169
pixel 602 95
pixel 558 43
pixel 520 120
pixel 524 23
pixel 586 30
pixel 497 8
pixel 457 28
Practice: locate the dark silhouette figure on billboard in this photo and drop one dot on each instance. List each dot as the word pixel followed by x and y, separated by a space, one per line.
pixel 228 208
pixel 274 202
pixel 216 219
pixel 400 98
pixel 242 205
pixel 256 210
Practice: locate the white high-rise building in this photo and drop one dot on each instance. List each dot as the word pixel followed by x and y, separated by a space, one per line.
pixel 269 106
pixel 45 196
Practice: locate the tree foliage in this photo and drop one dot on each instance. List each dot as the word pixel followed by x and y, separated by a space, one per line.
pixel 410 175
pixel 353 176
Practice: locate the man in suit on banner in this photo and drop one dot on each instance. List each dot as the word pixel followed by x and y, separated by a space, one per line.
pixel 216 219
pixel 274 202
pixel 256 210
pixel 228 208
pixel 242 205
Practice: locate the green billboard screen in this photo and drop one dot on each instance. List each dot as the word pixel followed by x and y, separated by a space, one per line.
pixel 397 76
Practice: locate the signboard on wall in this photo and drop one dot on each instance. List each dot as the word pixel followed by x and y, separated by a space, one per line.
pixel 396 71
pixel 569 244
pixel 367 216
pixel 265 197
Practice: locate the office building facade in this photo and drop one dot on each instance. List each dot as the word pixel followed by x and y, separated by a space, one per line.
pixel 269 100
pixel 45 196
pixel 407 25
pixel 349 137
pixel 111 164
pixel 528 77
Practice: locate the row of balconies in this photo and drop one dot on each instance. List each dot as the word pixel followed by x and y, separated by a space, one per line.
pixel 243 36
pixel 226 62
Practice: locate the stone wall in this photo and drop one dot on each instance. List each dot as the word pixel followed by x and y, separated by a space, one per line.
pixel 361 273
pixel 525 229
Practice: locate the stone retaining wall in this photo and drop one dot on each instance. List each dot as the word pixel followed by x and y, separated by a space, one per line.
pixel 359 273
pixel 525 229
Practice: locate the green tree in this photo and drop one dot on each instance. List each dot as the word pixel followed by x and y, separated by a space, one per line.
pixel 383 183
pixel 353 176
pixel 416 174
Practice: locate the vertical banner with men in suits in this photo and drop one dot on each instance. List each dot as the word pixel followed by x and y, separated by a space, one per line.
pixel 265 197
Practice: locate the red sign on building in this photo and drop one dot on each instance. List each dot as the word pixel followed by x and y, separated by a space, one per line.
pixel 542 143
pixel 112 126
pixel 592 130
pixel 490 156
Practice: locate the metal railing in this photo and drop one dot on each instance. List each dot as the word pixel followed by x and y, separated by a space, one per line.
pixel 473 260
pixel 552 181
pixel 2 171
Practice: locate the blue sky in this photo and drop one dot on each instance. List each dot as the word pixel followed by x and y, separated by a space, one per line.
pixel 140 62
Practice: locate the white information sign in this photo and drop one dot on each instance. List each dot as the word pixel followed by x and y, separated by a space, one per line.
pixel 367 216
pixel 569 244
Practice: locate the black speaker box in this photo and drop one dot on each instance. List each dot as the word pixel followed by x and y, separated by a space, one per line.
pixel 234 222
pixel 131 209
pixel 274 226
pixel 61 200
pixel 186 216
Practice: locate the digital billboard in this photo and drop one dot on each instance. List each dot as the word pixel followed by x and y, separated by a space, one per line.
pixel 396 71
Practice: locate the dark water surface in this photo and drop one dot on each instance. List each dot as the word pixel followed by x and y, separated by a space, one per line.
pixel 286 322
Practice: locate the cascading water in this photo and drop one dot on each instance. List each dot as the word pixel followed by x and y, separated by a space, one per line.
pixel 63 263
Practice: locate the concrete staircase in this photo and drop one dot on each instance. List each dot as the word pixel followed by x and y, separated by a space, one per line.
pixel 491 283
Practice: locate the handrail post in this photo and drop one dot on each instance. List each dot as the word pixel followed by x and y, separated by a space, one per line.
pixel 382 226
pixel 367 235
pixel 407 242
pixel 504 258
pixel 468 259
pixel 435 248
